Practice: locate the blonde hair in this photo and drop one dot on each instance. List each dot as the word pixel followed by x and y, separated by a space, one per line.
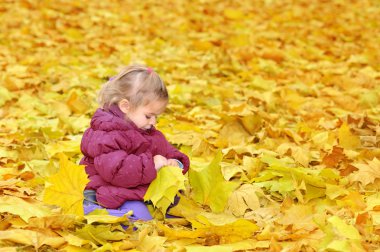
pixel 136 83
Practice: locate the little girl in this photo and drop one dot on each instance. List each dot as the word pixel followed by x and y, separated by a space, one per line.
pixel 122 149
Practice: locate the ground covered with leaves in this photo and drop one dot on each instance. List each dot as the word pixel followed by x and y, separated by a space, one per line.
pixel 275 102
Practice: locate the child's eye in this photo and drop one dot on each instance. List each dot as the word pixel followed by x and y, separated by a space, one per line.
pixel 147 117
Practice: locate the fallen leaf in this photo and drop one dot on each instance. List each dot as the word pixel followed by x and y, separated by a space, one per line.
pixel 29 237
pixel 209 186
pixel 347 139
pixel 243 199
pixel 164 187
pixel 341 236
pixel 65 188
pixel 25 208
pixel 366 173
pixel 100 234
pixel 5 96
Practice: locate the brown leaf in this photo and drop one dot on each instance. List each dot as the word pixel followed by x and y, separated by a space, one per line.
pixel 334 158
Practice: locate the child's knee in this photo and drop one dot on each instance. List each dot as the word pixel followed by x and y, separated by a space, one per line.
pixel 139 209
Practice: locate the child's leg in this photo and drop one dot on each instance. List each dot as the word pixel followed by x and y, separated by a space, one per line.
pixel 176 200
pixel 89 196
pixel 140 210
pixel 89 203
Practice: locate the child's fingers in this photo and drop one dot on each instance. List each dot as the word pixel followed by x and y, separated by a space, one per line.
pixel 172 162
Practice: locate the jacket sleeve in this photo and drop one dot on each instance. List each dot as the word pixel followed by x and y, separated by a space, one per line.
pixel 172 153
pixel 125 170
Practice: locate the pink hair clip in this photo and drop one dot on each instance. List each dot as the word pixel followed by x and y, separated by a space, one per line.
pixel 149 70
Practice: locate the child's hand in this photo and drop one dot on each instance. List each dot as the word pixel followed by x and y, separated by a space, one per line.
pixel 159 161
pixel 173 162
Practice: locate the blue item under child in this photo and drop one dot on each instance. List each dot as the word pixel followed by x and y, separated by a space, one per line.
pixel 140 210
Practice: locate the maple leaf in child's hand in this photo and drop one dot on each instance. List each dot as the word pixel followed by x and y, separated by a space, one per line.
pixel 163 189
pixel 65 188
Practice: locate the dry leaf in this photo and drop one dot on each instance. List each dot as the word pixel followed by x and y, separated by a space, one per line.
pixel 65 189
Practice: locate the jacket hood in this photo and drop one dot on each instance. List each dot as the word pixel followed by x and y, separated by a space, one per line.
pixel 114 119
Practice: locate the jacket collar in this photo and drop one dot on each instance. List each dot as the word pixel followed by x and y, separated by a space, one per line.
pixel 115 110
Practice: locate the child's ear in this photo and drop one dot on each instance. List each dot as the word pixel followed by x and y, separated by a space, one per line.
pixel 124 106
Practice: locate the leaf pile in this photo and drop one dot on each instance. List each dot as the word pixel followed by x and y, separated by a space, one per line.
pixel 275 102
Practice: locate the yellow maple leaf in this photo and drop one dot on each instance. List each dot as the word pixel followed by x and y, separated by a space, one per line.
pixel 209 185
pixel 226 227
pixel 298 217
pixel 346 139
pixel 243 199
pixel 151 243
pixel 186 207
pixel 33 238
pixel 98 216
pixel 101 234
pixel 163 189
pixel 367 173
pixel 25 208
pixel 341 236
pixel 246 245
pixel 233 13
pixel 5 95
pixel 300 154
pixel 232 133
pixel 76 102
pixel 65 188
pixel 70 147
pixel 54 221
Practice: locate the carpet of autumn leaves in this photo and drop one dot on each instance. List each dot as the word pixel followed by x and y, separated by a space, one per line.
pixel 276 102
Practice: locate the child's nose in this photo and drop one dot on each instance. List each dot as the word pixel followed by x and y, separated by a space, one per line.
pixel 153 120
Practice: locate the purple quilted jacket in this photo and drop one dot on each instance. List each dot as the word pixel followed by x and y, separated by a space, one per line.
pixel 118 157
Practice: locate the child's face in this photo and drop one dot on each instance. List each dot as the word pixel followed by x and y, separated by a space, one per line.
pixel 146 116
